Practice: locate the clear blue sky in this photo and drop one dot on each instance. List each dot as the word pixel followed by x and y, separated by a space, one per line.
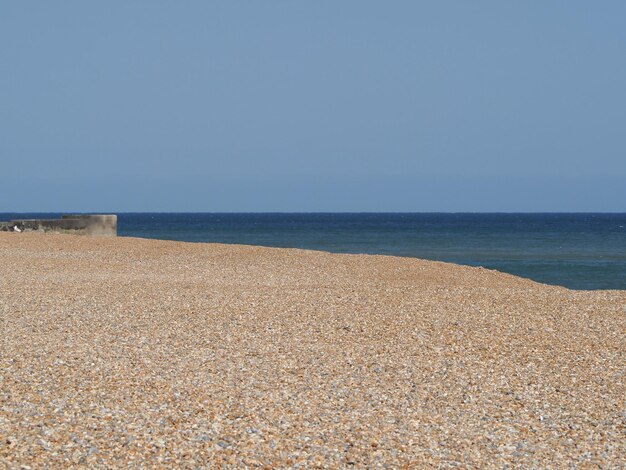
pixel 313 106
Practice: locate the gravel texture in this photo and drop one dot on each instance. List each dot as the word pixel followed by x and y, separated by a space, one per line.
pixel 125 352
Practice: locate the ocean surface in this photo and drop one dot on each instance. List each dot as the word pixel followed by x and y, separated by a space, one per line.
pixel 579 251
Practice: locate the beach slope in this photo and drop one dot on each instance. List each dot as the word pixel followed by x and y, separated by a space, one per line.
pixel 125 351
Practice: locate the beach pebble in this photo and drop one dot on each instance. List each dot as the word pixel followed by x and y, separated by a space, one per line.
pixel 123 352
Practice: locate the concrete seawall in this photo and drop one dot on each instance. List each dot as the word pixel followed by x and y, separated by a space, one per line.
pixel 101 225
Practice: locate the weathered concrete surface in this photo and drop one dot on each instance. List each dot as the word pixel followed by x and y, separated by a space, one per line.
pixel 101 225
pixel 95 225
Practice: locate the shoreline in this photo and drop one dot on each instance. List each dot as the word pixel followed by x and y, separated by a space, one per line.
pixel 451 263
pixel 577 251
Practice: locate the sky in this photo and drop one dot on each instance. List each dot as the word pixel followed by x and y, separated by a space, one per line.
pixel 306 106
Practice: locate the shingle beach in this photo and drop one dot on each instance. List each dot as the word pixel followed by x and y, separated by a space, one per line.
pixel 118 352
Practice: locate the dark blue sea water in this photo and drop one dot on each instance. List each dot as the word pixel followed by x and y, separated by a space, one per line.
pixel 579 251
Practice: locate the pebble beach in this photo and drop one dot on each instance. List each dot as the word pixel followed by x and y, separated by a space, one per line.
pixel 127 352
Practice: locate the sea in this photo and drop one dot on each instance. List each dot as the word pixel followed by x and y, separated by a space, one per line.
pixel 578 251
